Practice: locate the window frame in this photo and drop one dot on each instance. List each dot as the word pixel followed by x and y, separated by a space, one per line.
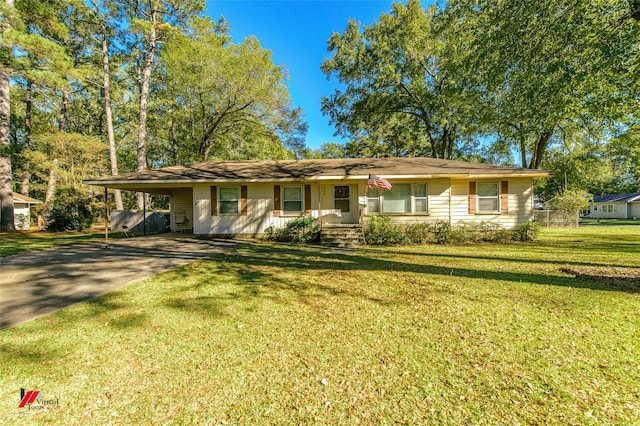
pixel 412 200
pixel 284 201
pixel 236 200
pixel 496 197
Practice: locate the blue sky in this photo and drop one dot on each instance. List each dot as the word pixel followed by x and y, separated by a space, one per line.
pixel 296 31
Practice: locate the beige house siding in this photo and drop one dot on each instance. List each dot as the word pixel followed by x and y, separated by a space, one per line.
pixel 520 203
pixel 182 204
pixel 448 200
pixel 634 210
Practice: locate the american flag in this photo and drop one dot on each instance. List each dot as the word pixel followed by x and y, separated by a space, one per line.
pixel 378 182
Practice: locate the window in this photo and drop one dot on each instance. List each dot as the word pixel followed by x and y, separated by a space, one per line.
pixel 488 197
pixel 373 200
pixel 420 198
pixel 341 198
pixel 398 199
pixel 229 201
pixel 609 208
pixel 292 199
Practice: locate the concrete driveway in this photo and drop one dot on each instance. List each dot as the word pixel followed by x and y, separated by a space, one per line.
pixel 39 283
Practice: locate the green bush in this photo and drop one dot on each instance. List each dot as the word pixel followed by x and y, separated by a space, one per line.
pixel 380 232
pixel 527 232
pixel 300 230
pixel 419 233
pixel 70 211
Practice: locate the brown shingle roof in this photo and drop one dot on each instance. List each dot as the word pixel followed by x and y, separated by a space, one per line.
pixel 282 170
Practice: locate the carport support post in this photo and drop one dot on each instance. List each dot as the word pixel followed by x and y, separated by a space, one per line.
pixel 106 214
pixel 144 213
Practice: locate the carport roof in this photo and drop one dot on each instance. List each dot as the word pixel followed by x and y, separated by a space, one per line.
pixel 309 170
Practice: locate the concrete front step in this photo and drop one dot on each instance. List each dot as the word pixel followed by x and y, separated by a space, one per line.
pixel 342 235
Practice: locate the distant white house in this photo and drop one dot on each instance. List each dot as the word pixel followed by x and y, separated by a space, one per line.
pixel 22 211
pixel 617 206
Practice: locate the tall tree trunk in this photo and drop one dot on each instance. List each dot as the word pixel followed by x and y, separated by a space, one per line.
pixel 28 99
pixel 107 112
pixel 174 141
pixel 6 178
pixel 64 107
pixel 144 103
pixel 539 149
pixel 51 185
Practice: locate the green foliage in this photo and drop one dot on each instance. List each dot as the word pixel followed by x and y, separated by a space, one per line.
pixel 233 99
pixel 303 229
pixel 70 211
pixel 527 232
pixel 571 202
pixel 380 231
pixel 399 98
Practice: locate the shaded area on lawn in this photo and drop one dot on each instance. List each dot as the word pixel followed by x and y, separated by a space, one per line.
pixel 39 283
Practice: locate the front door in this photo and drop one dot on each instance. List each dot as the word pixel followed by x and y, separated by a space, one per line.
pixel 337 203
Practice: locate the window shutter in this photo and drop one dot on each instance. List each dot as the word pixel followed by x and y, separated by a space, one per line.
pixel 214 201
pixel 307 200
pixel 472 198
pixel 504 197
pixel 243 200
pixel 276 200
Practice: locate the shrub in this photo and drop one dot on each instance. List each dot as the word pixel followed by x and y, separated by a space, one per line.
pixel 442 232
pixel 527 232
pixel 70 211
pixel 418 233
pixel 300 230
pixel 380 231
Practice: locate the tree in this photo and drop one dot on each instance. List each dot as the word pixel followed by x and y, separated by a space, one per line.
pixel 233 99
pixel 405 93
pixel 571 202
pixel 552 65
pixel 70 211
pixel 154 19
pixel 6 177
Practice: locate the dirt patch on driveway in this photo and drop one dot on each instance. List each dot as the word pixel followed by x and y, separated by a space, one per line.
pixel 39 283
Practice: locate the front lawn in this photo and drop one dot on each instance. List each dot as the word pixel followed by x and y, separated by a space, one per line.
pixel 25 241
pixel 281 334
pixel 621 222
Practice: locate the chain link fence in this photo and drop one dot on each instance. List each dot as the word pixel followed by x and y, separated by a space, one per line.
pixel 556 218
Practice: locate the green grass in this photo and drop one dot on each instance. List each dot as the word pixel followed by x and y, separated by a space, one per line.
pixel 279 334
pixel 625 222
pixel 25 241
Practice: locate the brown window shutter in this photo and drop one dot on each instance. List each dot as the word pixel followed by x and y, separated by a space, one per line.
pixel 276 200
pixel 472 198
pixel 243 201
pixel 214 201
pixel 504 197
pixel 307 200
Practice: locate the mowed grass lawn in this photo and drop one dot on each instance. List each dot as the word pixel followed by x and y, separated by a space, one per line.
pixel 283 334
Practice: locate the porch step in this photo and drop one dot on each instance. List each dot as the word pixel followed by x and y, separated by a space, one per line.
pixel 341 235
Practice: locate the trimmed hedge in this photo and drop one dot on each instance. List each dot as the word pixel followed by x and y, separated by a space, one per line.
pixel 380 231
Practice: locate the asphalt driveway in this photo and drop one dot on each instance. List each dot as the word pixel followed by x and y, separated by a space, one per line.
pixel 39 283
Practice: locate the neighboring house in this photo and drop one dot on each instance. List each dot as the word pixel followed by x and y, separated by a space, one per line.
pixel 618 206
pixel 22 211
pixel 246 197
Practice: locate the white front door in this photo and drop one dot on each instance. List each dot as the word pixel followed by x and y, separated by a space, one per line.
pixel 337 203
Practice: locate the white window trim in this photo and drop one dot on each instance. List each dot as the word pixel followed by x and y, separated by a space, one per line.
pixel 282 200
pixel 237 200
pixel 413 202
pixel 486 197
